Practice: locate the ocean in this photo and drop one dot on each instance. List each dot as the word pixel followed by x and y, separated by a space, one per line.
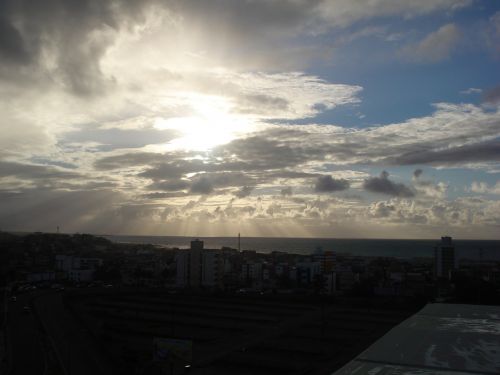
pixel 405 249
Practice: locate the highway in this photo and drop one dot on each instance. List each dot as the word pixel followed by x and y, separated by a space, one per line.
pixel 24 338
pixel 73 345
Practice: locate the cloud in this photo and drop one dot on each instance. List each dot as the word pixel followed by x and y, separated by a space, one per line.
pixel 245 191
pixel 69 42
pixel 329 184
pixel 484 188
pixel 202 186
pixel 383 185
pixel 345 12
pixel 381 209
pixel 491 34
pixel 492 96
pixel 71 210
pixel 64 40
pixel 435 47
pixel 113 138
pixel 206 183
pixel 127 160
pixel 87 98
pixel 471 90
pixel 170 185
pixel 30 171
pixel 12 49
pixel 287 192
pixel 478 152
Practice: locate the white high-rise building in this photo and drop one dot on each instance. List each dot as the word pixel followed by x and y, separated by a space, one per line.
pixel 444 257
pixel 197 267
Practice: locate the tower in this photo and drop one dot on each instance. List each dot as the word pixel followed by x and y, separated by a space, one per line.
pixel 444 257
pixel 195 254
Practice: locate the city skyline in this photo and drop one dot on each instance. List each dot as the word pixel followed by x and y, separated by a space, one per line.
pixel 285 118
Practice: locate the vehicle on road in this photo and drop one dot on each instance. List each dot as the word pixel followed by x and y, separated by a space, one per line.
pixel 26 309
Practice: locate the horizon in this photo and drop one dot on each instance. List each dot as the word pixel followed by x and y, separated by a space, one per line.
pixel 254 237
pixel 324 119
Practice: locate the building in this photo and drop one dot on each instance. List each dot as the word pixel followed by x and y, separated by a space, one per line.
pixel 212 269
pixel 80 275
pixel 330 283
pixel 76 268
pixel 35 277
pixel 307 272
pixel 67 263
pixel 444 258
pixel 198 267
pixel 195 253
pixel 251 271
pixel 327 260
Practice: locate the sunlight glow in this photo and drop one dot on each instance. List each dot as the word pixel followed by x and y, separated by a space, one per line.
pixel 210 124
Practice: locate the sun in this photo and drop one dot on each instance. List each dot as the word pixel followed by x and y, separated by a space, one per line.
pixel 211 123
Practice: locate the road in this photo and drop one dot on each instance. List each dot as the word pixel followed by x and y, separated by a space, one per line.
pixel 24 338
pixel 73 345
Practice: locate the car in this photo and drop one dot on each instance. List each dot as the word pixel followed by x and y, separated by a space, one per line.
pixel 13 298
pixel 26 309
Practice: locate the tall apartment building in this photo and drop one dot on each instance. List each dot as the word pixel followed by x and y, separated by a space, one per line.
pixel 198 267
pixel 327 260
pixel 444 257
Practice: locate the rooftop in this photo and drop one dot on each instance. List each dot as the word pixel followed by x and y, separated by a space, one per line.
pixel 440 339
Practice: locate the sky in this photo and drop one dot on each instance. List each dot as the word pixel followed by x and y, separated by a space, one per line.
pixel 289 118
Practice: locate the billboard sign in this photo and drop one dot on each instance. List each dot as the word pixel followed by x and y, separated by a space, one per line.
pixel 167 349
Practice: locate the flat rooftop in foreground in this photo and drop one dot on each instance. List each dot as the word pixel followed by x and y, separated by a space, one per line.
pixel 440 339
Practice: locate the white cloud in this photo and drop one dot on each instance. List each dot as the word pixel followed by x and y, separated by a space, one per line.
pixel 435 47
pixel 96 123
pixel 345 12
pixel 484 188
pixel 471 90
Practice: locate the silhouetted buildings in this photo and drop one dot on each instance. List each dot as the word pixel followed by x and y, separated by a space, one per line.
pixel 198 267
pixel 444 256
pixel 81 260
pixel 76 268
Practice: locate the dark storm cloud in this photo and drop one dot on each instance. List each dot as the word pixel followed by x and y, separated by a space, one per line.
pixel 328 184
pixel 383 185
pixel 477 152
pixel 492 96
